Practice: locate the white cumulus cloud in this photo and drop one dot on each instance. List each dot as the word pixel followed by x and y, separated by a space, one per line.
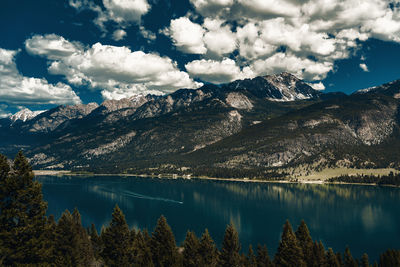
pixel 122 12
pixel 386 28
pixel 305 37
pixel 210 7
pixel 317 86
pixel 52 46
pixel 118 70
pixel 301 67
pixel 118 35
pixel 268 8
pixel 187 36
pixel 251 44
pixel 219 39
pixel 364 67
pixel 217 71
pixel 149 35
pixel 18 89
pixel 211 38
pixel 298 38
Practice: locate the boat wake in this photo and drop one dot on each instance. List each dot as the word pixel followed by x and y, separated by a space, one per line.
pixel 107 191
pixel 136 195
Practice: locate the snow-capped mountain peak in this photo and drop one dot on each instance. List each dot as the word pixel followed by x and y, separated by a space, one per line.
pixel 290 87
pixel 279 87
pixel 25 114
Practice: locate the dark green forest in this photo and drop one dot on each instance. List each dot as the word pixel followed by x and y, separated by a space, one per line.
pixel 30 238
pixel 390 179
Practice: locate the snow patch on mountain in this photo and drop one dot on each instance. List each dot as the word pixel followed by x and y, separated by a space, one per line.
pixel 366 90
pixel 25 114
pixel 287 85
pixel 381 88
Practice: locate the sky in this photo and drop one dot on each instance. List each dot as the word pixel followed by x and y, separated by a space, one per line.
pixel 55 52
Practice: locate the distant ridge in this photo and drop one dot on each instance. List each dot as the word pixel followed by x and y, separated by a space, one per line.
pixel 248 126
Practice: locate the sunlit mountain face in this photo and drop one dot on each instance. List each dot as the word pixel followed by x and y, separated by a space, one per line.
pixel 84 51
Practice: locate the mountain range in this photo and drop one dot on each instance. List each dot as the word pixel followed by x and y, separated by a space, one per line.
pixel 251 127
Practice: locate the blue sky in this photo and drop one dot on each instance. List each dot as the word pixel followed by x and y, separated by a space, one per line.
pixel 81 51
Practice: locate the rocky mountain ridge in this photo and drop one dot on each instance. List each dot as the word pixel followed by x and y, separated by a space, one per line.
pixel 326 134
pixel 389 89
pixel 252 124
pixel 284 87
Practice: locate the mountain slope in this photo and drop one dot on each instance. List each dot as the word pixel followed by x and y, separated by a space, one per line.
pixel 254 124
pixel 156 127
pixel 389 89
pixel 360 131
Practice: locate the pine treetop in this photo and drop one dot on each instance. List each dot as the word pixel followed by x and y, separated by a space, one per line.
pixel 289 252
pixel 230 248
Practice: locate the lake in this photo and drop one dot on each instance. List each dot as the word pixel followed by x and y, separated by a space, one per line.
pixel 367 218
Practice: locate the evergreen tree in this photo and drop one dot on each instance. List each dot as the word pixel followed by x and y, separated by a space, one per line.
pixel 306 243
pixel 146 236
pixel 364 260
pixel 4 169
pixel 65 250
pixel 116 240
pixel 263 259
pixel 95 239
pixel 207 251
pixel 243 260
pixel 319 258
pixel 251 258
pixel 331 259
pixel 163 246
pixel 132 235
pixel 72 244
pixel 390 257
pixel 289 252
pixel 142 256
pixel 339 258
pixel 348 259
pixel 22 217
pixel 50 238
pixel 191 245
pixel 230 256
pixel 83 242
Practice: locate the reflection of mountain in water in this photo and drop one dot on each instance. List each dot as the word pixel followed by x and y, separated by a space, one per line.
pixel 366 202
pixel 363 217
pixel 293 194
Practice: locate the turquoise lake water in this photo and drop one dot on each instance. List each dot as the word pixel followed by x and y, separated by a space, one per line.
pixel 366 218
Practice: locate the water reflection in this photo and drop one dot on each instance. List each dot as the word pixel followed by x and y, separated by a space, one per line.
pixel 363 217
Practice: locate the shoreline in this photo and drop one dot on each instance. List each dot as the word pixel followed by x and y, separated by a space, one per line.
pixel 188 177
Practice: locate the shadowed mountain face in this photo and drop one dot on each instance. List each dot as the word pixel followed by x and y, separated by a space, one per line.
pixel 263 122
pixel 359 131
